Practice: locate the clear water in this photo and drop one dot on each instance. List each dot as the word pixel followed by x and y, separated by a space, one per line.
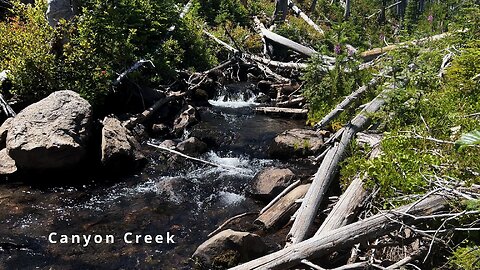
pixel 205 197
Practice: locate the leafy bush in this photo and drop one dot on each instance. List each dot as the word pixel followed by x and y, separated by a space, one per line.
pixel 466 258
pixel 216 12
pixel 26 50
pixel 87 53
pixel 325 88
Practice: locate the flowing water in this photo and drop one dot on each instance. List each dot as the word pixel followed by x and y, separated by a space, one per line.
pixel 187 199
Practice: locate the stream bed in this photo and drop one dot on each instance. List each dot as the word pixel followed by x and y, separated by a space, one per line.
pixel 199 199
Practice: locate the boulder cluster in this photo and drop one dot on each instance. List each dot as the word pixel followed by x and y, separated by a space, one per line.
pixel 56 133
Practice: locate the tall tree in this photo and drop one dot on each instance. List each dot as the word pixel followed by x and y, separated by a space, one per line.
pixel 346 14
pixel 281 7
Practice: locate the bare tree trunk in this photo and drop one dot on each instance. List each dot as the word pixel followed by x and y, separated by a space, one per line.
pixel 346 14
pixel 344 210
pixel 304 16
pixel 313 6
pixel 401 8
pixel 283 40
pixel 280 14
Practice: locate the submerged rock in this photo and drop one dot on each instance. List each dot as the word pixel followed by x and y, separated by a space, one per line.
pixel 296 143
pixel 175 189
pixel 160 129
pixel 120 150
pixel 52 133
pixel 192 146
pixel 270 182
pixel 7 164
pixel 229 248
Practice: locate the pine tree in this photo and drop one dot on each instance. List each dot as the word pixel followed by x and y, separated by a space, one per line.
pixel 411 15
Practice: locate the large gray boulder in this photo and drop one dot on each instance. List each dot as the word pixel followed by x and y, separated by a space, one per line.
pixel 7 164
pixel 120 150
pixel 296 143
pixel 270 182
pixel 229 248
pixel 52 133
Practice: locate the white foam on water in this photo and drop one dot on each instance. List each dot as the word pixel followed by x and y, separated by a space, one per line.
pixel 230 198
pixel 233 103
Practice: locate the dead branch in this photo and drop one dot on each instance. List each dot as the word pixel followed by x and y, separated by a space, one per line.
pixel 192 158
pixel 134 67
pixel 7 110
pixel 283 111
pixel 145 115
pixel 317 246
pixel 224 224
pixel 279 196
pixel 304 16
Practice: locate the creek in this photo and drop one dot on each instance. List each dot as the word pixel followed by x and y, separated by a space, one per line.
pixel 200 198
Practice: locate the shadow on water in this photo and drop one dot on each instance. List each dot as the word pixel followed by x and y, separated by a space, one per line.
pixel 170 194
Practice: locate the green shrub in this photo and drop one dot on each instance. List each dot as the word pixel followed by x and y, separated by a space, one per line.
pixel 26 47
pixel 87 53
pixel 216 12
pixel 466 258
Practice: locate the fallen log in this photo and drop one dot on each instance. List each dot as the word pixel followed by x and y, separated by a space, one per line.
pixel 283 111
pixel 352 198
pixel 370 54
pixel 282 209
pixel 269 72
pixel 304 16
pixel 134 67
pixel 273 63
pixel 256 58
pixel 279 196
pixel 291 103
pixel 283 40
pixel 145 115
pixel 349 100
pixel 328 169
pixel 228 221
pixel 369 228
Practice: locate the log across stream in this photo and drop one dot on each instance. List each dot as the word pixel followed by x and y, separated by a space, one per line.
pixel 170 195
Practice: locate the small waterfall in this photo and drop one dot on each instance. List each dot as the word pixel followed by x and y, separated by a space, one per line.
pixel 234 96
